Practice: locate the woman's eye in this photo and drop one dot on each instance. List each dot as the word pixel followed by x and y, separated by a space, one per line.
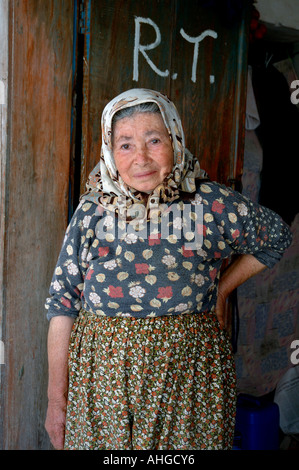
pixel 125 146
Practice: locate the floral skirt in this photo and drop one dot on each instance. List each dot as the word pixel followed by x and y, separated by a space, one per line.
pixel 156 383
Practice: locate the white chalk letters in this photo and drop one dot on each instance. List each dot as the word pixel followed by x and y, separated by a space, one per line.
pixel 142 48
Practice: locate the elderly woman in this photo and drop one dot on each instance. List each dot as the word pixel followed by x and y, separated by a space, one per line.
pixel 138 356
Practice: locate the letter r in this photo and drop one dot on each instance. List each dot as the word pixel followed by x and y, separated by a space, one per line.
pixel 142 48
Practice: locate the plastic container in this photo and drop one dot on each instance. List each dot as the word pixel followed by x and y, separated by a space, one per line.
pixel 257 424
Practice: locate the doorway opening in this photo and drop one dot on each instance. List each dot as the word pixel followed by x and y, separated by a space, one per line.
pixel 272 74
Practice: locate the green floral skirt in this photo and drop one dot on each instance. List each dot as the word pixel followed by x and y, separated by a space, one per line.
pixel 155 383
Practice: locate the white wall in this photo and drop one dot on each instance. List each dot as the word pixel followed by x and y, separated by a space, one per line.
pixel 279 12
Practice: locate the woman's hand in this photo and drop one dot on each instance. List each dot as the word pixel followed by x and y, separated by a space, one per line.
pixel 55 421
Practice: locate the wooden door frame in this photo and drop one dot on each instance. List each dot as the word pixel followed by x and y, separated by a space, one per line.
pixel 35 166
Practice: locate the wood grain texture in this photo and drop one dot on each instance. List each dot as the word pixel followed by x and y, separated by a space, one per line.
pixel 36 206
pixel 212 107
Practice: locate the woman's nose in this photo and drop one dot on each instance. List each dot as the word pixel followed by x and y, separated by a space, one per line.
pixel 141 155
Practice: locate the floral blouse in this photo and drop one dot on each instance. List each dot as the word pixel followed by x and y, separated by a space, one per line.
pixel 159 274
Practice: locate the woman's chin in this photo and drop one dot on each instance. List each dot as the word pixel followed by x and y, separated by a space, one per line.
pixel 144 187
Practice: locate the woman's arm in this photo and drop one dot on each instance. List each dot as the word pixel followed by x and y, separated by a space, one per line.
pixel 242 269
pixel 58 344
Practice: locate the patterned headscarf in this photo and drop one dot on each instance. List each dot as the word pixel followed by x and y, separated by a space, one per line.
pixel 105 185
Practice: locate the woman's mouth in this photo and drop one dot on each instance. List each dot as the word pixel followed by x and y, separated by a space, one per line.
pixel 144 174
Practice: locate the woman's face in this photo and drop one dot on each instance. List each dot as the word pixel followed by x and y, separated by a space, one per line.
pixel 142 150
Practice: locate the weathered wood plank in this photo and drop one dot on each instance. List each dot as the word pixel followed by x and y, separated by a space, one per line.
pixel 3 144
pixel 210 86
pixel 36 205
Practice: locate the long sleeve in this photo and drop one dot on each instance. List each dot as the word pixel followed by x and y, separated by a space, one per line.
pixel 246 227
pixel 68 279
